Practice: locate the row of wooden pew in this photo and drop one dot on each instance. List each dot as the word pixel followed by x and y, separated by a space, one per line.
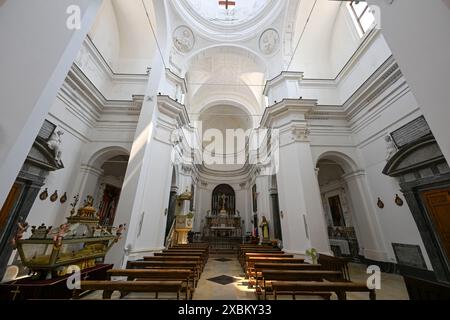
pixel 273 272
pixel 175 270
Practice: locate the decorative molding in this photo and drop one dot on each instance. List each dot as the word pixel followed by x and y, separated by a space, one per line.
pixel 183 39
pixel 269 42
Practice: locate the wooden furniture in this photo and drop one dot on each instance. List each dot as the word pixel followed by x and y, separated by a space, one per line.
pixel 340 288
pixel 56 288
pixel 184 275
pixel 268 276
pixel 335 263
pixel 108 287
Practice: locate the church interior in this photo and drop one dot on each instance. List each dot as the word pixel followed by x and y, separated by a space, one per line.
pixel 224 150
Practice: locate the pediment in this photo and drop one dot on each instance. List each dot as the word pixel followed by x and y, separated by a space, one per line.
pixel 42 156
pixel 414 156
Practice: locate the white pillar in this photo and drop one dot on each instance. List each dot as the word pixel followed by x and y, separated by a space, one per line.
pixel 89 185
pixel 146 189
pixel 303 221
pixel 417 32
pixel 364 217
pixel 37 51
pixel 263 202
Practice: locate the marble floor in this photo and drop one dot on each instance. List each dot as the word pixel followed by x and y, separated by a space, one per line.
pixel 223 279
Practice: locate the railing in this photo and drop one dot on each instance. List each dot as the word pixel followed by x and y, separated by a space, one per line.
pixel 171 237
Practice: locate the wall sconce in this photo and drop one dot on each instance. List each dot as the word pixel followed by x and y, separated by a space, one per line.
pixel 398 200
pixel 165 211
pixel 54 196
pixel 282 214
pixel 44 194
pixel 380 203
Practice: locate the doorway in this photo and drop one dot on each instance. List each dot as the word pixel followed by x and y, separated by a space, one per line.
pixel 437 203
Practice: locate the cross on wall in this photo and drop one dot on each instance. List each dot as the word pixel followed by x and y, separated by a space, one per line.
pixel 227 3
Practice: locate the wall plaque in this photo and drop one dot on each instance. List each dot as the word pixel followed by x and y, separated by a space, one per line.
pixel 410 132
pixel 46 130
pixel 409 255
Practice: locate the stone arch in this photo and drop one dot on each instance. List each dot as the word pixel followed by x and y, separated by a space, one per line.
pixel 361 204
pixel 97 158
pixel 345 161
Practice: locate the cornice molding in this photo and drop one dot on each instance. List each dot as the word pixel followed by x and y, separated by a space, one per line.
pixel 285 109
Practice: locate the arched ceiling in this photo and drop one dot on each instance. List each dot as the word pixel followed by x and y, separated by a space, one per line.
pixel 222 73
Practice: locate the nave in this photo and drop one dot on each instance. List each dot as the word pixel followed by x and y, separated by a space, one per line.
pixel 223 278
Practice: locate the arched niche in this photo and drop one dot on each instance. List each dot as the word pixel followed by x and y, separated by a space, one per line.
pixel 217 200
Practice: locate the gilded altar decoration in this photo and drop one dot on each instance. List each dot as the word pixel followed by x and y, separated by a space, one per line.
pixel 81 241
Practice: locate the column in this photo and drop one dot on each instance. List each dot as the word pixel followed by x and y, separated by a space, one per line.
pixel 364 217
pixel 425 60
pixel 89 184
pixel 303 222
pixel 146 190
pixel 37 52
pixel 263 201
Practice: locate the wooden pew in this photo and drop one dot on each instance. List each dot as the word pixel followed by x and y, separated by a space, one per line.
pixel 184 275
pixel 335 263
pixel 249 268
pixel 256 275
pixel 165 265
pixel 196 259
pixel 297 275
pixel 340 288
pixel 108 287
pixel 266 254
pixel 202 253
pixel 184 254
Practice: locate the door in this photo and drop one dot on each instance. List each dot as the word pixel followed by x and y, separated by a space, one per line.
pixel 438 207
pixel 8 206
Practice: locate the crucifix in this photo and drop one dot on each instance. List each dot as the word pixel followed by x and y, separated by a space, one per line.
pixel 16 292
pixel 227 3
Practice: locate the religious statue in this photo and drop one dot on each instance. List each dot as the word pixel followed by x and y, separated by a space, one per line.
pixel 22 227
pixel 59 236
pixel 223 211
pixel 391 148
pixel 54 143
pixel 265 229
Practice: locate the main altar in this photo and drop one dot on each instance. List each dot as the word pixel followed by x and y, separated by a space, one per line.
pixel 222 226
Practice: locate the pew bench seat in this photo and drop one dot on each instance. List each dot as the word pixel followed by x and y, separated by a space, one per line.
pixel 124 287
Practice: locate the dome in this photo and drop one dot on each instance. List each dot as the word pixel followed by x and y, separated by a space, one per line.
pixel 228 12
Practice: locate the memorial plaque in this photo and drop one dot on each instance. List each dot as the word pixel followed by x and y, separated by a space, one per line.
pixel 414 130
pixel 46 130
pixel 409 255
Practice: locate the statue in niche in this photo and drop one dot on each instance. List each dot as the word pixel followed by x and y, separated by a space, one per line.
pixel 391 148
pixel 54 143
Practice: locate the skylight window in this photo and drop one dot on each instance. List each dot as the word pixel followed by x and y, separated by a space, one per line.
pixel 362 15
pixel 228 11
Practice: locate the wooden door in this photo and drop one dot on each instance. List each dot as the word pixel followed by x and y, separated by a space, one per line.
pixel 438 206
pixel 8 206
